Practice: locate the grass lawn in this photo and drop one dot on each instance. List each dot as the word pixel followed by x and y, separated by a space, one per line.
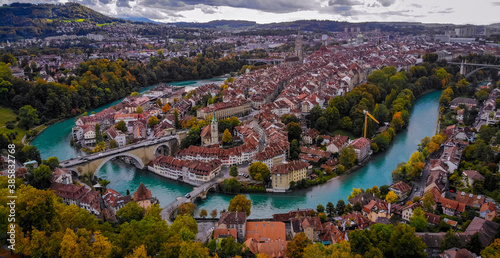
pixel 6 115
pixel 343 132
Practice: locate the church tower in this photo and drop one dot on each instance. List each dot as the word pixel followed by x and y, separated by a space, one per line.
pixel 214 130
pixel 298 47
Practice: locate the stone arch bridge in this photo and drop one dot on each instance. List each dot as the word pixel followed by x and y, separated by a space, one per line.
pixel 468 69
pixel 140 154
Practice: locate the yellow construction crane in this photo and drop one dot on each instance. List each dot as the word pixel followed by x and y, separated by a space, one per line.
pixel 366 119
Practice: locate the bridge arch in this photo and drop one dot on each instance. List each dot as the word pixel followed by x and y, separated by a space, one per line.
pixel 137 159
pixel 162 149
pixel 480 68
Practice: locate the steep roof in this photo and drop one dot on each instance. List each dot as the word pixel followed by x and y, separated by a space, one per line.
pixel 266 231
pixel 142 193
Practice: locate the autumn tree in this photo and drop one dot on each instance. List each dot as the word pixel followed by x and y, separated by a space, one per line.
pixel 152 121
pixel 203 213
pixel 69 245
pixel 397 122
pixel 492 250
pixel 134 94
pixel 241 204
pixel 391 197
pixel 295 248
pixel 139 110
pixel 227 137
pixel 258 171
pixel 102 246
pixel 166 108
pixel 213 214
pixel 187 208
pixel 139 252
pixel 428 202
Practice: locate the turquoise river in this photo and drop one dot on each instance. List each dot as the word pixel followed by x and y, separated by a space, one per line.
pixel 54 141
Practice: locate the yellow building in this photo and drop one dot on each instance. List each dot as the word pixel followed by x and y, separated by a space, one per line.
pixel 282 175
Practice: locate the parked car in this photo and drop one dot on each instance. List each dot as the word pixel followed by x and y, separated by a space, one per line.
pixel 188 195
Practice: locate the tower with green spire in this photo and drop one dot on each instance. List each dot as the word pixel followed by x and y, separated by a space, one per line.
pixel 214 130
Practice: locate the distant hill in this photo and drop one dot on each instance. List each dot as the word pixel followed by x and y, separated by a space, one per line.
pixel 139 19
pixel 217 24
pixel 20 20
pixel 308 25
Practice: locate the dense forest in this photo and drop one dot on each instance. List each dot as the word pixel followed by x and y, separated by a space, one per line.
pixel 98 82
pixel 23 20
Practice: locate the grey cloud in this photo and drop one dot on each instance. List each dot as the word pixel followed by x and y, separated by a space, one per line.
pixel 343 2
pixel 416 5
pixel 496 3
pixel 275 6
pixel 208 9
pixel 121 3
pixel 386 3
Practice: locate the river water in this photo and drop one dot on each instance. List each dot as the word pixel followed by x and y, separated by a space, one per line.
pixel 55 142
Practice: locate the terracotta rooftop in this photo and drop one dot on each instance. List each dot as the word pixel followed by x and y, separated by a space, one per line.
pixel 266 231
pixel 142 193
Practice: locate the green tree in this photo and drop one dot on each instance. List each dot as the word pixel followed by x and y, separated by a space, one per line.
pixel 42 177
pixel 258 171
pixel 241 204
pixel 320 208
pixel 474 245
pixel 231 185
pixel 139 110
pixel 294 131
pixel 177 122
pixel 330 209
pixel 404 242
pixel 450 240
pixel 121 126
pixel 340 207
pixel 227 137
pixel 347 157
pixel 52 162
pixel 233 171
pixel 294 150
pixel 428 202
pixel 98 133
pixel 28 117
pixel 113 144
pixel 295 248
pixel 418 220
pixel 131 211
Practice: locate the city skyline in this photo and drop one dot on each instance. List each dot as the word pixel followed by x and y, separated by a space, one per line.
pixel 426 11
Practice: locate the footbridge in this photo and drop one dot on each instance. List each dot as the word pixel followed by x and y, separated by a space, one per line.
pixel 141 154
pixel 468 69
pixel 201 191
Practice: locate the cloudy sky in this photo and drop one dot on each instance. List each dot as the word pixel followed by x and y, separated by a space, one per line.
pixel 479 12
